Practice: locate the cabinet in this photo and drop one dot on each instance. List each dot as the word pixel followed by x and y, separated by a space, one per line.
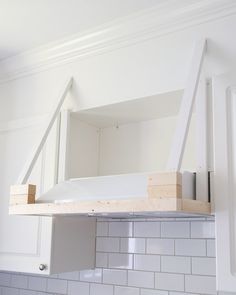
pixel 128 137
pixel 30 243
pixel 224 102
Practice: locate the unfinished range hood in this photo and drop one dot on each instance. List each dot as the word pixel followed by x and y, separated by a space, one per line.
pixel 108 151
pixel 138 195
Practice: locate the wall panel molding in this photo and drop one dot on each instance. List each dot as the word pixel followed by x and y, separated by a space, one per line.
pixel 8 126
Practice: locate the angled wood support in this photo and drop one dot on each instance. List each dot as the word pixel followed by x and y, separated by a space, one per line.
pixel 37 149
pixel 63 145
pixel 202 145
pixel 179 141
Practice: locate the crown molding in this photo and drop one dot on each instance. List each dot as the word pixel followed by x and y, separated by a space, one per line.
pixel 166 18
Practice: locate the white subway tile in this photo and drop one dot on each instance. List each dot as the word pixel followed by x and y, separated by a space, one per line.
pixel 54 276
pixel 212 217
pixel 91 275
pixel 57 286
pixel 126 291
pixel 211 248
pixel 160 246
pixel 120 229
pixel 106 219
pixel 5 279
pixel 200 284
pixel 153 292
pixel 181 293
pixel 170 282
pixel 10 291
pixel 203 229
pixel 204 266
pixel 27 292
pixel 76 288
pixel 147 229
pixel 74 276
pixel 120 260
pixel 187 247
pixel 115 276
pixel 175 229
pixel 108 244
pixel 102 229
pixel 176 264
pixel 140 279
pixel 19 281
pixel 147 262
pixel 101 289
pixel 101 259
pixel 132 245
pixel 37 283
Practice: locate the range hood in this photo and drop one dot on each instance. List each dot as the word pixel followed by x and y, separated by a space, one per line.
pixel 168 193
pixel 137 195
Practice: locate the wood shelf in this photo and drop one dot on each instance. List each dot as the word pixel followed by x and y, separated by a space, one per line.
pixel 138 195
pixel 162 207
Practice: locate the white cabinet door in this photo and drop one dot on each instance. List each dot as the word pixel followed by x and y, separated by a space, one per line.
pixel 224 100
pixel 25 242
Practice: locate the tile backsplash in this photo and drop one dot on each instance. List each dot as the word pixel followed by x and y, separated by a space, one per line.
pixel 136 257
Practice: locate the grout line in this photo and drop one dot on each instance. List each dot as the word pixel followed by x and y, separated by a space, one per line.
pixel 184 284
pixel 191 264
pixel 89 288
pixel 190 229
pixel 132 226
pixel 66 286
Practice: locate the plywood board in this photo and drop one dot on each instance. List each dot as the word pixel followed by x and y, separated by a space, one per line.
pixel 165 191
pixel 114 206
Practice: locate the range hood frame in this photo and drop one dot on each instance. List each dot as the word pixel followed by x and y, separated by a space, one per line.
pixel 150 206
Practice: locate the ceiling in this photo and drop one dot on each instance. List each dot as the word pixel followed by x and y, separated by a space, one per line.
pixel 27 24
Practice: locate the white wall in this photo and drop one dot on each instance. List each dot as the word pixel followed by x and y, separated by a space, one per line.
pixel 142 147
pixel 127 148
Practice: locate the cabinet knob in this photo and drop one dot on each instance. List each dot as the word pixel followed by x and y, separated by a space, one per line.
pixel 42 267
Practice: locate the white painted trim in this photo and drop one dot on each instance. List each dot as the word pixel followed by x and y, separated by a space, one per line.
pixel 185 112
pixel 202 145
pixel 12 125
pixel 165 18
pixel 224 180
pixel 64 145
pixel 42 139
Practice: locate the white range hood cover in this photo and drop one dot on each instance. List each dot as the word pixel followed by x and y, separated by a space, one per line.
pixel 126 186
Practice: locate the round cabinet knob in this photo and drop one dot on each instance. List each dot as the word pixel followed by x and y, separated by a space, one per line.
pixel 42 267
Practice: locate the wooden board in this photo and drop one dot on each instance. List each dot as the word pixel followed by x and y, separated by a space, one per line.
pixel 165 178
pixel 22 199
pixel 23 189
pixel 108 207
pixel 167 191
pixel 132 194
pixel 22 194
